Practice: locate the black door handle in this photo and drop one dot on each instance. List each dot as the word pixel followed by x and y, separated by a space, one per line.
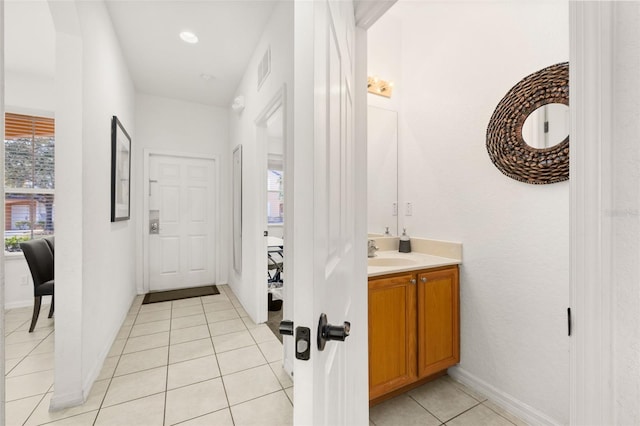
pixel 286 328
pixel 328 332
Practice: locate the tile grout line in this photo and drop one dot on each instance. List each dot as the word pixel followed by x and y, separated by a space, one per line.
pixel 34 408
pixel 166 382
pixel 115 368
pixel 482 403
pixel 224 388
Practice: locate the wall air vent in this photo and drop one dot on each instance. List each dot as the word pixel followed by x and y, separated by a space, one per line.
pixel 264 67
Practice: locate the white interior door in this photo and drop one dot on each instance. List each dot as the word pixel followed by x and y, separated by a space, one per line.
pixel 329 259
pixel 182 203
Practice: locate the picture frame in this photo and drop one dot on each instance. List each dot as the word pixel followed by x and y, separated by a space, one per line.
pixel 120 172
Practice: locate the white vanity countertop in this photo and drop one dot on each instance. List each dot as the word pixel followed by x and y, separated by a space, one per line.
pixel 415 261
pixel 426 254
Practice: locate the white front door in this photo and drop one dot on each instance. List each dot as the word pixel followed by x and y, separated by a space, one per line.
pixel 182 203
pixel 329 259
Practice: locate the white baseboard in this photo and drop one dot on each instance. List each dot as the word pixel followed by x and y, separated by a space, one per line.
pixel 60 402
pixel 19 304
pixel 504 400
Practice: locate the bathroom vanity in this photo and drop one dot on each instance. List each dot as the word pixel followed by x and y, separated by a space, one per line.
pixel 414 330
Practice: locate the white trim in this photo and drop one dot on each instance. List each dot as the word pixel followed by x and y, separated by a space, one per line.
pixel 591 79
pixel 147 153
pixel 2 220
pixel 9 190
pixel 367 12
pixel 504 400
pixel 34 112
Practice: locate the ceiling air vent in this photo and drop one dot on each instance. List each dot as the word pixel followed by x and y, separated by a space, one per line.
pixel 264 67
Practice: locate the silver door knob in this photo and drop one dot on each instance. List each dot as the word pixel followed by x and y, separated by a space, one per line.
pixel 423 279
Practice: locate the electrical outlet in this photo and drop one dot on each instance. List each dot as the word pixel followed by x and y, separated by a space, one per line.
pixel 24 280
pixel 394 211
pixel 408 209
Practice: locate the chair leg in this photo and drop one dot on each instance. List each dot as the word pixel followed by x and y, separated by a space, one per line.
pixel 37 301
pixel 53 298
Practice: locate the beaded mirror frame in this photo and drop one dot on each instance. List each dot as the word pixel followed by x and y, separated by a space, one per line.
pixel 508 150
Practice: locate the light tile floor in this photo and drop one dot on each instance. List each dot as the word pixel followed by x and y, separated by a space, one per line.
pixel 442 401
pixel 199 361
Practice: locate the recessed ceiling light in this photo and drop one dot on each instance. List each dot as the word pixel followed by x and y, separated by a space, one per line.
pixel 189 37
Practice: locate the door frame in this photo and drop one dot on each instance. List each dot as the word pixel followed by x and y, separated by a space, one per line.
pixel 278 101
pixel 147 153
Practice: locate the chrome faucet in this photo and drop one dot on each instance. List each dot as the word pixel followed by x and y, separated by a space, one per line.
pixel 371 248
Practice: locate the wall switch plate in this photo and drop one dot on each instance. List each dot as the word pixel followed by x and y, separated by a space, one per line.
pixel 394 211
pixel 408 209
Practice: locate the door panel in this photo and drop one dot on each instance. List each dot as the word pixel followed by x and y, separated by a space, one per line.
pixel 182 254
pixel 392 334
pixel 438 321
pixel 329 269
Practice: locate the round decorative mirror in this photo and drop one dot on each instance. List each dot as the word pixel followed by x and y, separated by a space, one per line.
pixel 527 136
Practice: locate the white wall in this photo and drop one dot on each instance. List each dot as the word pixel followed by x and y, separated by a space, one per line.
pixel 176 126
pixel 279 35
pixel 29 94
pixel 95 258
pixel 458 61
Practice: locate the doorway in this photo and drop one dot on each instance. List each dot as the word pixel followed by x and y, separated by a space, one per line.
pixel 181 210
pixel 270 133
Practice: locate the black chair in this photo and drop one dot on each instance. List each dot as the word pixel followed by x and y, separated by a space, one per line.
pixel 51 241
pixel 40 260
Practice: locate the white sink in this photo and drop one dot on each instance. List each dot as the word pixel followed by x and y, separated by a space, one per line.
pixel 390 261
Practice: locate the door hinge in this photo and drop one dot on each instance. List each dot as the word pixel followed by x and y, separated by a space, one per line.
pixel 569 321
pixel 266 233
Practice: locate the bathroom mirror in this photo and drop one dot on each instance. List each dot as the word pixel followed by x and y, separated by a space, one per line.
pixel 506 146
pixel 382 162
pixel 547 126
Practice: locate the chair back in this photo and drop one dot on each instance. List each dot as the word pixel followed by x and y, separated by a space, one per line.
pixel 51 241
pixel 40 260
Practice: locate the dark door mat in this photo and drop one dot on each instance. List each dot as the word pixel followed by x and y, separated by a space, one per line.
pixel 183 293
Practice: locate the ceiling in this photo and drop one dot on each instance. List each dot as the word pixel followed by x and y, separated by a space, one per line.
pixel 160 63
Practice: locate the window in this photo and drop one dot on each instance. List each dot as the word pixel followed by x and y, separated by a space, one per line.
pixel 275 197
pixel 29 178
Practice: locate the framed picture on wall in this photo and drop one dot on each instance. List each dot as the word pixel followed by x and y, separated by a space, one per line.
pixel 120 172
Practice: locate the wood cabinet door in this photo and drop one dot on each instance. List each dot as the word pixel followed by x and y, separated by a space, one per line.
pixel 392 333
pixel 438 321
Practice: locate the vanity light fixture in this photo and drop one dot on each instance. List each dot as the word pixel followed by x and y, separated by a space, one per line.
pixel 379 87
pixel 189 37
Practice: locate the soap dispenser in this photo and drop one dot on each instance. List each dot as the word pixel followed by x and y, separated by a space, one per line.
pixel 405 242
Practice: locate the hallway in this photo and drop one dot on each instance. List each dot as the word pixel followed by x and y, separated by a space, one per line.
pixel 198 361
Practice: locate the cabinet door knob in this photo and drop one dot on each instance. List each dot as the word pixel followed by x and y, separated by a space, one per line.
pixel 423 279
pixel 412 281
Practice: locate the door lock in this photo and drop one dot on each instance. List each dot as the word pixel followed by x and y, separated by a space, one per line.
pixel 154 222
pixel 328 332
pixel 303 338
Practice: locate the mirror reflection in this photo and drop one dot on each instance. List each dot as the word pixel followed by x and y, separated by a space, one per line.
pixel 547 126
pixel 382 147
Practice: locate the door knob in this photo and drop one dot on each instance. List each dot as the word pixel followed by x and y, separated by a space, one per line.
pixel 286 328
pixel 328 332
pixel 423 279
